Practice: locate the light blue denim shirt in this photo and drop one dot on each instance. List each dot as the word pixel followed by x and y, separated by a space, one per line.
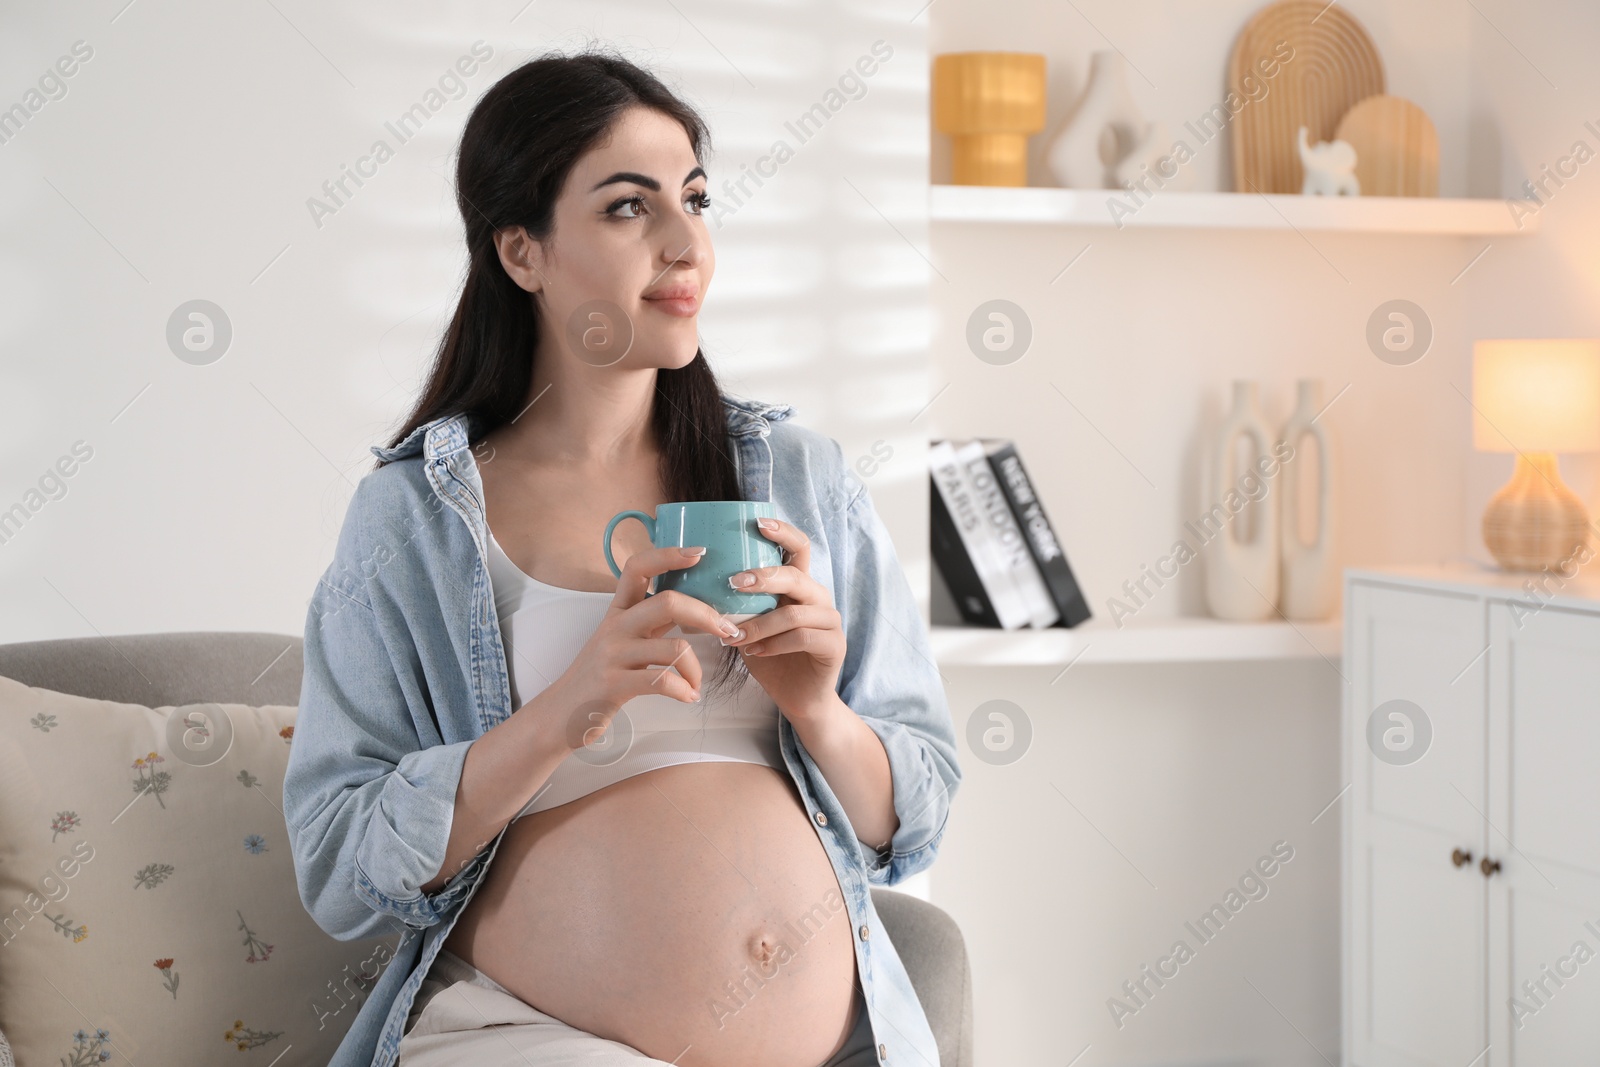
pixel 404 669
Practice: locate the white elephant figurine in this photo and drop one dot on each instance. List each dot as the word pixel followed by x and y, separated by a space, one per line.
pixel 1330 168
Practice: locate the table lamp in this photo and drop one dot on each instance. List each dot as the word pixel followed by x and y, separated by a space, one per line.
pixel 1536 398
pixel 989 103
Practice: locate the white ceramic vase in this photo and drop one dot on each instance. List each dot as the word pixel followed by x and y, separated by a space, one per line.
pixel 1107 103
pixel 1151 166
pixel 1310 576
pixel 1242 575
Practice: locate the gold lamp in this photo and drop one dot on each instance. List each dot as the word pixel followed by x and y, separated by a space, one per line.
pixel 989 103
pixel 1536 398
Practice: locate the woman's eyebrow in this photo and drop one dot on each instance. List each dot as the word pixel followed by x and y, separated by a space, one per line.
pixel 644 180
pixel 629 176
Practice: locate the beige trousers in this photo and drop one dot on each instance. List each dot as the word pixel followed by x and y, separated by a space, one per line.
pixel 462 1016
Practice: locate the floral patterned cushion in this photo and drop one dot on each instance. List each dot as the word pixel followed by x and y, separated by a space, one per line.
pixel 148 906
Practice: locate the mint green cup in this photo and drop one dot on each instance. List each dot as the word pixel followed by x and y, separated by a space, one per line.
pixel 733 543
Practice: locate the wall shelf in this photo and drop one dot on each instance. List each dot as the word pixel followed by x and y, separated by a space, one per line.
pixel 1169 640
pixel 1227 211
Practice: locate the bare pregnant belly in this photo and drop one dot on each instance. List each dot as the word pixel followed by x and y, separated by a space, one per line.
pixel 686 908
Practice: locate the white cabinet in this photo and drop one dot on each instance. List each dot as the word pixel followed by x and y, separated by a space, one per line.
pixel 1471 828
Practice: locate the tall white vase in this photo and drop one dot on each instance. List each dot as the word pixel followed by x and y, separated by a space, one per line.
pixel 1107 103
pixel 1310 573
pixel 1242 575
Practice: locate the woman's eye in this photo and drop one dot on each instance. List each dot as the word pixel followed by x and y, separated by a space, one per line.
pixel 697 203
pixel 637 202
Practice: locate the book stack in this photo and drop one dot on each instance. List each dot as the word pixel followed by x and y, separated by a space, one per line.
pixel 992 541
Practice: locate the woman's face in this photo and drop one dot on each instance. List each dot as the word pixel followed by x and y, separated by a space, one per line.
pixel 622 274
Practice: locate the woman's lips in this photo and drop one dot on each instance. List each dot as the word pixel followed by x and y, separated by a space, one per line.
pixel 682 301
pixel 682 306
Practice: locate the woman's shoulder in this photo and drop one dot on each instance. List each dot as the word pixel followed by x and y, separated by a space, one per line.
pixel 388 517
pixel 809 467
pixel 393 524
pixel 803 440
pixel 393 491
pixel 777 423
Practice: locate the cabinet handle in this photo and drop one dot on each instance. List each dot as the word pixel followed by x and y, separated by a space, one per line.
pixel 1460 858
pixel 1488 866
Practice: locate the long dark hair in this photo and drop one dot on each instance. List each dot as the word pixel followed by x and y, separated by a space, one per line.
pixel 520 142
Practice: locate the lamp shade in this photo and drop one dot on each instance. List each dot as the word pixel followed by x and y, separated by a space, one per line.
pixel 1536 396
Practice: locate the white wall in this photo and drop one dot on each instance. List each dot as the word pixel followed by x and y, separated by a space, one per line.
pixel 178 166
pixel 1189 773
pixel 1531 94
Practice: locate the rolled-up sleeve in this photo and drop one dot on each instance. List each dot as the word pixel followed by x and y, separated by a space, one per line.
pixel 369 804
pixel 891 680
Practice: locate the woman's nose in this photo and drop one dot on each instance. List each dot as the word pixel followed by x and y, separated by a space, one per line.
pixel 683 243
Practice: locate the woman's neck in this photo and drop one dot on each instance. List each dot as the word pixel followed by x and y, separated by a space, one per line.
pixel 585 417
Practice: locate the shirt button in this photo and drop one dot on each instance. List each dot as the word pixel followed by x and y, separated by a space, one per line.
pixel 864 931
pixel 883 1052
pixel 822 820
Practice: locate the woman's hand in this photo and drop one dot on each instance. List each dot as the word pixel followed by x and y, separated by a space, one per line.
pixel 627 656
pixel 796 650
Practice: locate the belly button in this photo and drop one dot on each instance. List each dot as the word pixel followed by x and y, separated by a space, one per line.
pixel 768 951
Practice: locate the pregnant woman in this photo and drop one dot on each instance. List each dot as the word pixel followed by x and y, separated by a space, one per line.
pixel 609 828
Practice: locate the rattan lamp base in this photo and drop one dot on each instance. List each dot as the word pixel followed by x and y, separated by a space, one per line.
pixel 1535 522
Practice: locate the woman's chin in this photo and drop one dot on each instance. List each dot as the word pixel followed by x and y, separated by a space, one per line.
pixel 668 355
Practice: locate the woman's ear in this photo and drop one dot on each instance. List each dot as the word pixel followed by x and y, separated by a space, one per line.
pixel 522 257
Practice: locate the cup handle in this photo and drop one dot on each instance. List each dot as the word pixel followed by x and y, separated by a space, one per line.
pixel 649 525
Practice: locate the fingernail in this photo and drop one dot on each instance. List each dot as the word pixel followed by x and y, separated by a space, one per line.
pixel 767 524
pixel 695 695
pixel 742 579
pixel 731 630
pixel 694 550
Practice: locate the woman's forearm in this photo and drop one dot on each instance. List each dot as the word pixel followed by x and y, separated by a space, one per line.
pixel 853 760
pixel 502 770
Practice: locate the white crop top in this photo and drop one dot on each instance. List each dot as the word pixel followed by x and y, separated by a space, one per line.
pixel 544 627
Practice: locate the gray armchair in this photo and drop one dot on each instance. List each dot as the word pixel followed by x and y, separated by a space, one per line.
pixel 263 668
